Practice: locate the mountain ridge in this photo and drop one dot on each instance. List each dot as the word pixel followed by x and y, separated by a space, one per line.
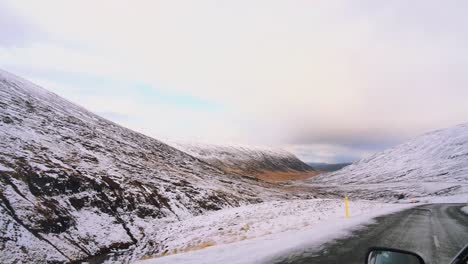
pixel 66 172
pixel 265 163
pixel 437 156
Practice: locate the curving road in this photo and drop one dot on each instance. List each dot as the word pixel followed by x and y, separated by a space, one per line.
pixel 437 232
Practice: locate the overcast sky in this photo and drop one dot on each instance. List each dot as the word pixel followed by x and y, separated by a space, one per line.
pixel 329 80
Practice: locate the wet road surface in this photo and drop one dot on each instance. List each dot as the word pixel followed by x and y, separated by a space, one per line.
pixel 436 232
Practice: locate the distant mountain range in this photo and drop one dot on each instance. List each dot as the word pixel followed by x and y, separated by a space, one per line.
pixel 327 167
pixel 268 164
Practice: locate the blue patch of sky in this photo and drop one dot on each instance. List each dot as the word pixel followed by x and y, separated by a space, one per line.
pixel 144 92
pixel 152 95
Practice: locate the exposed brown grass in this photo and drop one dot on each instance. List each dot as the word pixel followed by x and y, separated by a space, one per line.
pixel 202 245
pixel 188 248
pixel 280 176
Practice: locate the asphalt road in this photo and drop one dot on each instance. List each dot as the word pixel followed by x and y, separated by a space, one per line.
pixel 436 232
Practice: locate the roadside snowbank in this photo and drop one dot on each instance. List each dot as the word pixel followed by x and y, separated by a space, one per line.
pixel 263 230
pixel 465 209
pixel 459 198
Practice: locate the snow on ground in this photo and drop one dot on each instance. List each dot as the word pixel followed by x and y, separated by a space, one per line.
pixel 459 198
pixel 465 209
pixel 400 192
pixel 253 233
pixel 3 168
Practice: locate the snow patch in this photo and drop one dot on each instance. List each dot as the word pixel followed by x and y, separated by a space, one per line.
pixel 259 233
pixel 7 169
pixel 465 209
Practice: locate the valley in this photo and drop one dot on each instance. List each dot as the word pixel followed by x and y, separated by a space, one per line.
pixel 76 187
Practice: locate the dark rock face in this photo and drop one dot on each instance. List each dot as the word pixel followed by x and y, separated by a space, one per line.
pixel 74 186
pixel 7 120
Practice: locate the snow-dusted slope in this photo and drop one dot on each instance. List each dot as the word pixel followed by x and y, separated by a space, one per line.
pixel 438 156
pixel 265 163
pixel 74 185
pixel 257 233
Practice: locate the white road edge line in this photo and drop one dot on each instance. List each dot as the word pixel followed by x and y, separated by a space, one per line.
pixel 436 242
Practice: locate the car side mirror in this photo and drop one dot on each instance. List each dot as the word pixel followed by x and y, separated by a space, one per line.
pixel 462 256
pixel 380 255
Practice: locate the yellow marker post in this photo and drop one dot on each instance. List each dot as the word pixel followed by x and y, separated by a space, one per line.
pixel 346 206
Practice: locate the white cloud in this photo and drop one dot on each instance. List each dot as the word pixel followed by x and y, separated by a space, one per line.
pixel 287 72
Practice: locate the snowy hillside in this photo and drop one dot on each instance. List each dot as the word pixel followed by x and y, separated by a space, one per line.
pixel 438 156
pixel 274 165
pixel 74 185
pixel 255 233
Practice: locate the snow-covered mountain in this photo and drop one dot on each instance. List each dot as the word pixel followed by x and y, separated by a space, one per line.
pixel 268 164
pixel 74 185
pixel 438 156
